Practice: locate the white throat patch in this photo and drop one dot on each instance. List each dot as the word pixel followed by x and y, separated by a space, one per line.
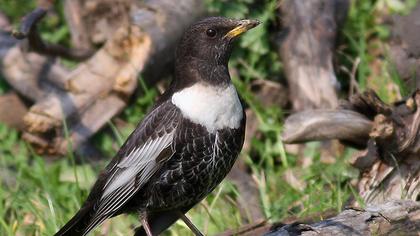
pixel 212 107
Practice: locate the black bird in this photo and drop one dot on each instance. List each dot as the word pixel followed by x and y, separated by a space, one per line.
pixel 186 144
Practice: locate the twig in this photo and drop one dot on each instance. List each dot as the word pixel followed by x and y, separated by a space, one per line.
pixel 28 29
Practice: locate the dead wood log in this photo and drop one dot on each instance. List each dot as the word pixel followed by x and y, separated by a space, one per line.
pixel 109 75
pixel 307 48
pixel 307 43
pixel 397 217
pixel 390 163
pixel 320 124
pixel 93 22
pixel 392 218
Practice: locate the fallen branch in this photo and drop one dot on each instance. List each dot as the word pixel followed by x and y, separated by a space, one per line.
pixel 391 218
pixel 28 29
pixel 390 167
pixel 320 125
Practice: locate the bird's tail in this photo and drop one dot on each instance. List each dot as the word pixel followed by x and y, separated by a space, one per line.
pixel 78 224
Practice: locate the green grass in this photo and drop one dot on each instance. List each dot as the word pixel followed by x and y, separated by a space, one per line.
pixel 38 195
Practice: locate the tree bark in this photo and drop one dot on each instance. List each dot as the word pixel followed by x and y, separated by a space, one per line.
pixel 391 218
pixel 93 22
pixel 326 124
pixel 307 49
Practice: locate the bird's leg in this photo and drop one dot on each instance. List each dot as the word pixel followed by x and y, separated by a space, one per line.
pixel 190 225
pixel 145 224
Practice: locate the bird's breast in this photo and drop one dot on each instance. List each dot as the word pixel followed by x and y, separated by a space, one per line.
pixel 214 107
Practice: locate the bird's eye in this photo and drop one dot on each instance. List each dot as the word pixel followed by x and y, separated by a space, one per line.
pixel 211 33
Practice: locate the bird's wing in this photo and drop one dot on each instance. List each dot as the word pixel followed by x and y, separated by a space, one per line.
pixel 138 159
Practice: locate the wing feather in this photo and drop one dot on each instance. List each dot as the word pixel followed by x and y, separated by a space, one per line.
pixel 139 163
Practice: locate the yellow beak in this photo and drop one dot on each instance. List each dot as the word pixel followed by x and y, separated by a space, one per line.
pixel 243 26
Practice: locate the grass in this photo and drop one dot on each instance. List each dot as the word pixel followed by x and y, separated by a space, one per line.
pixel 38 195
pixel 41 195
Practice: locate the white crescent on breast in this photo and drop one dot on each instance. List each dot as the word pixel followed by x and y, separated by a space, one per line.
pixel 213 107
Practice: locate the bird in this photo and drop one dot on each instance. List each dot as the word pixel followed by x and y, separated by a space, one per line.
pixel 184 147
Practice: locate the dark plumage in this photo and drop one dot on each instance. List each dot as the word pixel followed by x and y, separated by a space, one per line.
pixel 184 147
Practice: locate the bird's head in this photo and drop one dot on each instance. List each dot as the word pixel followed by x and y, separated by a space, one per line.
pixel 210 39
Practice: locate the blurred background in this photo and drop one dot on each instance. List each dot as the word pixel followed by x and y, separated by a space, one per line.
pixel 86 71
